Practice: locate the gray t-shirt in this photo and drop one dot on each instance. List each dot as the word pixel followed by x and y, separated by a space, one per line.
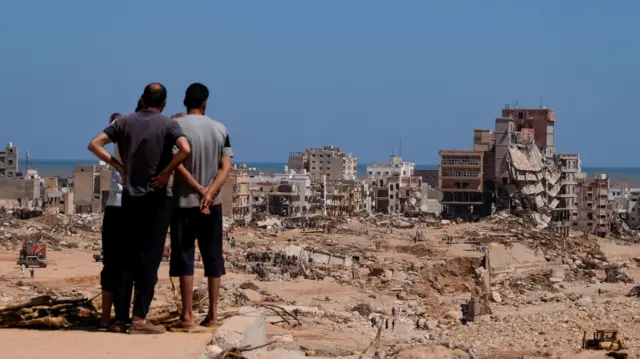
pixel 145 140
pixel 209 142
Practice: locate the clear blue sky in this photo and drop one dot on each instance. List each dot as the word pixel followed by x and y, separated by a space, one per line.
pixel 285 75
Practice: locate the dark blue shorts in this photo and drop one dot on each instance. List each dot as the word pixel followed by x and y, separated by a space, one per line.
pixel 187 225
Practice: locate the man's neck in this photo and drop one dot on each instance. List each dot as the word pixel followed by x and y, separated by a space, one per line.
pixel 153 109
pixel 195 111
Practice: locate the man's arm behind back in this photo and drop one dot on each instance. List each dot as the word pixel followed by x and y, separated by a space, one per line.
pixel 223 173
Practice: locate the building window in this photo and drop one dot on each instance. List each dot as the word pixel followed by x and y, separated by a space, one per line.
pixel 10 162
pixel 10 174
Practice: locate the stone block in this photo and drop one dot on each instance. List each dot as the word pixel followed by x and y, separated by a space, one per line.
pixel 249 327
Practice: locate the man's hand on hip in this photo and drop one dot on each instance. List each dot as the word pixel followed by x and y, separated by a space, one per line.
pixel 160 180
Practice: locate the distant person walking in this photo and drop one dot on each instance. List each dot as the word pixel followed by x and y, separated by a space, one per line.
pixel 33 273
pixel 112 229
pixel 145 140
pixel 199 213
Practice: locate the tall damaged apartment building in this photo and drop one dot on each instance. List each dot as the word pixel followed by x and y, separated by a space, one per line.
pixel 327 161
pixel 516 167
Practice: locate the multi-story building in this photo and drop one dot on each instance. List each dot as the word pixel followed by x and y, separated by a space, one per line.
pixel 344 197
pixel 397 167
pixel 25 190
pixel 522 126
pixel 625 203
pixel 284 194
pixel 327 161
pixel 299 184
pixel 405 194
pixel 564 204
pixel 594 213
pixel 541 122
pixel 91 185
pixel 9 162
pixel 395 194
pixel 236 196
pixel 461 183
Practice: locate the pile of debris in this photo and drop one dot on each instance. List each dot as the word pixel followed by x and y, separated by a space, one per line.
pixel 620 230
pixel 615 274
pixel 71 225
pixel 49 312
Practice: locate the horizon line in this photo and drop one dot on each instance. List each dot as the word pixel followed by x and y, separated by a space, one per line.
pixel 84 160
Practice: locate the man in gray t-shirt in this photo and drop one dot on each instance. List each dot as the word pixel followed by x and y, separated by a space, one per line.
pixel 198 214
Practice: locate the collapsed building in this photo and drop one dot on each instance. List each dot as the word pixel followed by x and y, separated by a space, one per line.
pixel 393 187
pixel 287 194
pixel 516 168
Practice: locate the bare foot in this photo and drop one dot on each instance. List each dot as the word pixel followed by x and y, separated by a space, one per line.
pixel 209 322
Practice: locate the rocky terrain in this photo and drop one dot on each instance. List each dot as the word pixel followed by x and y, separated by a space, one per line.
pixel 380 286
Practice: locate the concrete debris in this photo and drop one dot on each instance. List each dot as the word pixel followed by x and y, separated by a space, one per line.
pixel 390 284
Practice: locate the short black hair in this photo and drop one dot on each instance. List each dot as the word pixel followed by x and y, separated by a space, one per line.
pixel 154 95
pixel 195 96
pixel 140 105
pixel 114 116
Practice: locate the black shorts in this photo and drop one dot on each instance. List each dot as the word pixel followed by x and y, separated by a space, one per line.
pixel 187 225
pixel 112 230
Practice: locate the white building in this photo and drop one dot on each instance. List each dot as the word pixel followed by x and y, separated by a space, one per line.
pixel 299 180
pixel 626 200
pixel 397 167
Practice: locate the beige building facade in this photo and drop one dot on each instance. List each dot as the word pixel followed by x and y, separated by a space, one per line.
pixel 594 211
pixel 236 198
pixel 91 184
pixel 327 161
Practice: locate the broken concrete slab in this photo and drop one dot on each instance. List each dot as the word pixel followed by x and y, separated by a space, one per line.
pixel 517 257
pixel 250 295
pixel 318 256
pixel 277 353
pixel 248 328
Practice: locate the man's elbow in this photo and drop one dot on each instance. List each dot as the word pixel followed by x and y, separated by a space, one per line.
pixel 184 151
pixel 92 147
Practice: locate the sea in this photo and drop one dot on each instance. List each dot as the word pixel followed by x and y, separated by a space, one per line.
pixel 64 168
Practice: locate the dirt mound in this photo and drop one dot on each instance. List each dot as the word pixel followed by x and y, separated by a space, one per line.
pixel 454 276
pixel 537 281
pixel 458 267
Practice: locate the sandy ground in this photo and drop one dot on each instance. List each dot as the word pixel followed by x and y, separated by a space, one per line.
pixel 76 344
pixel 77 270
pixel 73 270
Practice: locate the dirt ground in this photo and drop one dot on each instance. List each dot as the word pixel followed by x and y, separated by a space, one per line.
pixel 422 281
pixel 77 344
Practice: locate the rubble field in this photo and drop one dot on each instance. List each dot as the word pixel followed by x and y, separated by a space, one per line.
pixel 369 286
